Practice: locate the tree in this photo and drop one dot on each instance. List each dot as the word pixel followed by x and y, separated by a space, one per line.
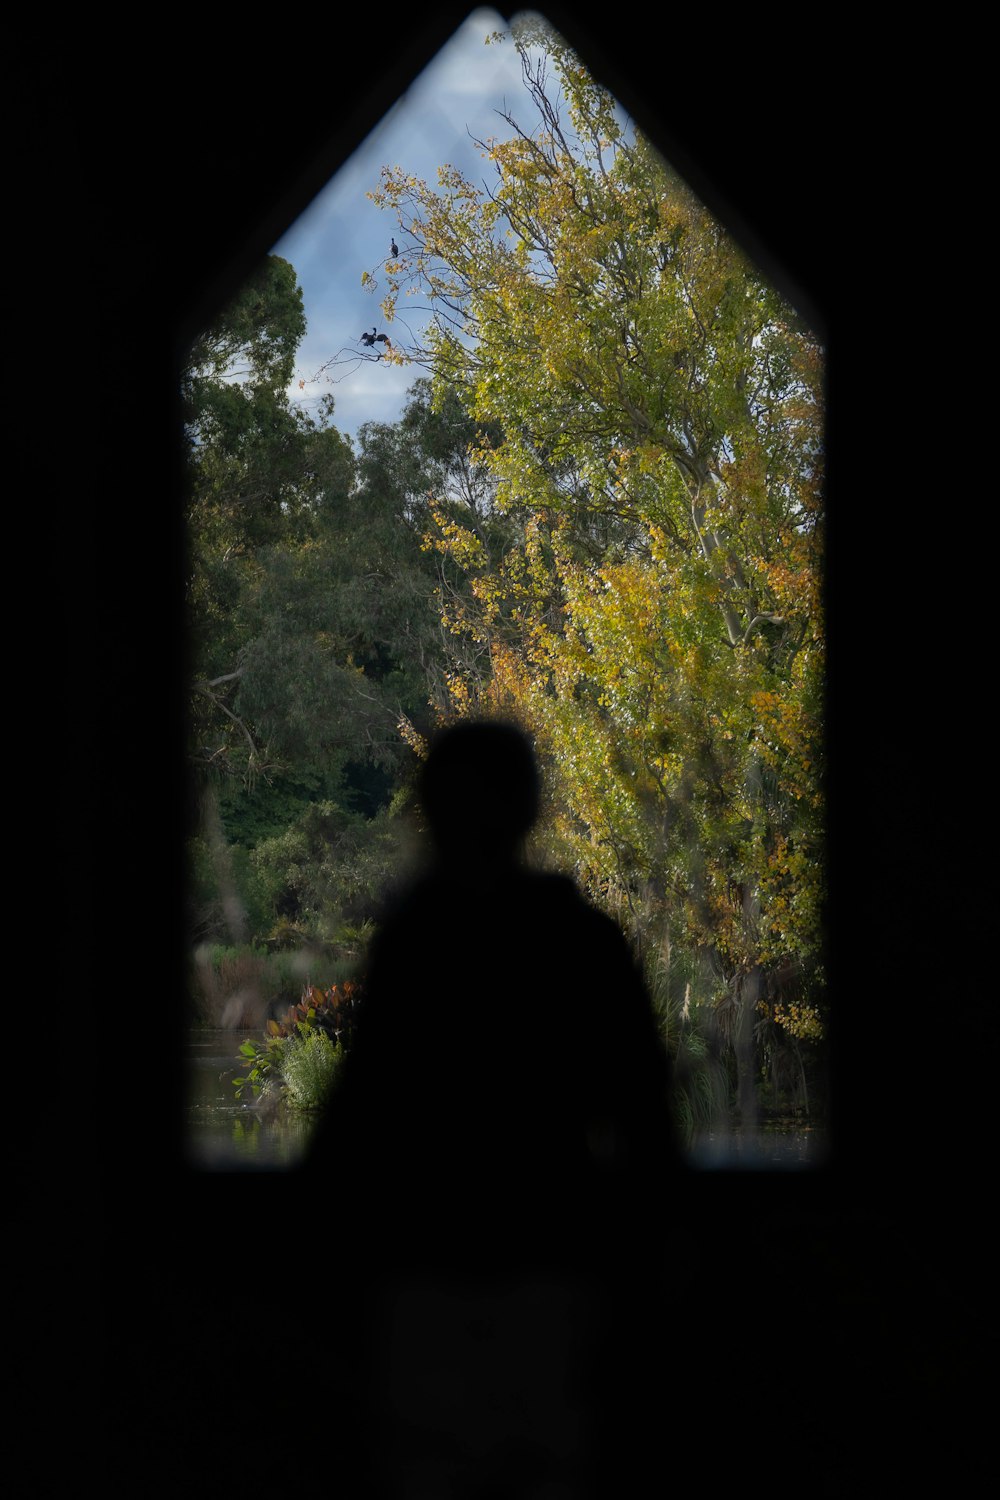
pixel 651 420
pixel 315 631
pixel 309 619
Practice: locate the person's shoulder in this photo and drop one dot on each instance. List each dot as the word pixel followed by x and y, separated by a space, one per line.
pixel 563 887
pixel 551 888
pixel 561 895
pixel 554 881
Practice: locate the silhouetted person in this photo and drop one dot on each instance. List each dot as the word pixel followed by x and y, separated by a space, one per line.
pixel 499 1147
pixel 506 1074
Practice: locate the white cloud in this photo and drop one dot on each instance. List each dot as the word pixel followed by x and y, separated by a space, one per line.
pixel 342 233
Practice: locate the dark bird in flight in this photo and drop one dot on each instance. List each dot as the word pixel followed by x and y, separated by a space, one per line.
pixel 368 339
pixel 395 250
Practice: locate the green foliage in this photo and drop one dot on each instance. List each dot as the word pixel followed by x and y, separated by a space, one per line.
pixel 701 1086
pixel 683 987
pixel 257 335
pixel 314 637
pixel 298 1059
pixel 262 1068
pixel 309 1068
pixel 328 869
pixel 250 816
pixel 284 865
pixel 311 597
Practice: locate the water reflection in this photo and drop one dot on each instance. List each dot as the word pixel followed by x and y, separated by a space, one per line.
pixel 774 1149
pixel 223 1132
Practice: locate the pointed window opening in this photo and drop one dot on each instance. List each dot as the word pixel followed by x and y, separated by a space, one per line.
pixel 508 420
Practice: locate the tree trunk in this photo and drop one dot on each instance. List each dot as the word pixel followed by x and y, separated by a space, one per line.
pixel 745 1049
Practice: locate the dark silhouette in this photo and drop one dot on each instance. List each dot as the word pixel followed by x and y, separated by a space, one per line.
pixel 506 1071
pixel 371 339
pixel 395 250
pixel 500 1150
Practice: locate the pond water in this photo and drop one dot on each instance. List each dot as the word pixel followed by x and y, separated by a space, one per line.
pixel 773 1148
pixel 222 1131
pixel 225 1134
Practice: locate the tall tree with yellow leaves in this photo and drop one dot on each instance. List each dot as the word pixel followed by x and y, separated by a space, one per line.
pixel 655 448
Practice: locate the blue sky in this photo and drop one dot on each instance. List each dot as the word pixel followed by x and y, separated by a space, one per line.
pixel 342 233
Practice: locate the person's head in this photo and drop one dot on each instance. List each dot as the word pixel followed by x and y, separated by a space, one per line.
pixel 479 789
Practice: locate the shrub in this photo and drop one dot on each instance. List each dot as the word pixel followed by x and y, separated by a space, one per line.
pixel 281 1065
pixel 309 1065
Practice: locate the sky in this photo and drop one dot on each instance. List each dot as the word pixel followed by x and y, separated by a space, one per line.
pixel 342 233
